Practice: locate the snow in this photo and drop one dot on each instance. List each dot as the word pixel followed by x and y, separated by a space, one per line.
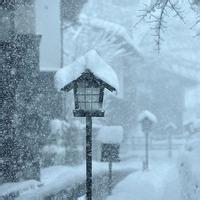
pixel 196 123
pixel 170 125
pixel 82 198
pixel 58 178
pixel 147 114
pixel 109 27
pixel 91 61
pixel 21 187
pixel 143 185
pixel 189 173
pixel 57 125
pixel 181 67
pixel 176 179
pixel 110 135
pixel 53 149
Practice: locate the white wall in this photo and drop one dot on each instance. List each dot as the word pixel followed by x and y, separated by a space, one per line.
pixel 48 25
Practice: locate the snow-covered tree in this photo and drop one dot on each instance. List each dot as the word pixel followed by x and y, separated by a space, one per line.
pixel 64 144
pixel 103 36
pixel 187 169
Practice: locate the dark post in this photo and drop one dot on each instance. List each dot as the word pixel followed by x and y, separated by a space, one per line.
pixel 88 158
pixel 110 178
pixel 170 144
pixel 146 149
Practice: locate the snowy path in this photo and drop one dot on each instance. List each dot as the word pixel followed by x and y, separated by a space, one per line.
pixel 101 189
pixel 148 185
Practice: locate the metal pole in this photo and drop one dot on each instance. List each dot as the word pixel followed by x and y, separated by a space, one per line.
pixel 110 178
pixel 147 151
pixel 88 158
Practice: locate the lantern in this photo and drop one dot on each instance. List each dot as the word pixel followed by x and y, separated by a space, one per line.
pixel 88 94
pixel 147 119
pixel 88 76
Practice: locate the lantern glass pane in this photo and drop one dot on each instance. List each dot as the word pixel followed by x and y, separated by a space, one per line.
pixel 95 98
pixel 81 98
pixel 96 91
pixel 89 98
pixel 81 90
pixel 82 106
pixel 96 106
pixel 88 106
pixel 89 90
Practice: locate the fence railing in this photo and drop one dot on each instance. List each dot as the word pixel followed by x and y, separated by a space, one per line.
pixel 156 143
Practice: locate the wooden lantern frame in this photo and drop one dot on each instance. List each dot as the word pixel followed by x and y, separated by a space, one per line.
pixel 88 81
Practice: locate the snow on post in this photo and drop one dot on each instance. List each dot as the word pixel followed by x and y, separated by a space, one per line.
pixel 110 135
pixel 90 61
pixel 147 115
pixel 171 125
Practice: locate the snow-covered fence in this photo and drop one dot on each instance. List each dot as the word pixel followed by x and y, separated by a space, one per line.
pixel 158 143
pixel 100 187
pixel 188 169
pixel 10 191
pixel 74 187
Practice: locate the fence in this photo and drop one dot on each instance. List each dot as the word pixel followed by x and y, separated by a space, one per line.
pixel 156 143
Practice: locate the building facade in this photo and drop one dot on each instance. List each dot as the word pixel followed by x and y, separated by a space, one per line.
pixel 19 47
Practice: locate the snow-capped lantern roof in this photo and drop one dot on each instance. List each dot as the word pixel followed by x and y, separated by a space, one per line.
pixel 110 135
pixel 147 115
pixel 91 62
pixel 171 125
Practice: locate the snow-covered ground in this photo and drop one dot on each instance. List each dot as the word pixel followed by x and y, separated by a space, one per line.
pixel 174 179
pixel 18 188
pixel 57 178
pixel 143 185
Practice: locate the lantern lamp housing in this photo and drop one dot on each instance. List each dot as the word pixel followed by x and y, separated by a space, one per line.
pixel 146 124
pixel 88 94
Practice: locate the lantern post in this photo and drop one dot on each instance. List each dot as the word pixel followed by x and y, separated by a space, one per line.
pixel 170 128
pixel 88 85
pixel 147 119
pixel 88 157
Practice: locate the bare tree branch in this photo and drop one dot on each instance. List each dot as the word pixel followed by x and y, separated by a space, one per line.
pixel 146 12
pixel 177 10
pixel 158 11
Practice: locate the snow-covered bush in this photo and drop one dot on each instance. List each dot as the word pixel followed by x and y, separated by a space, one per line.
pixel 188 170
pixel 73 143
pixel 63 144
pixel 53 151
